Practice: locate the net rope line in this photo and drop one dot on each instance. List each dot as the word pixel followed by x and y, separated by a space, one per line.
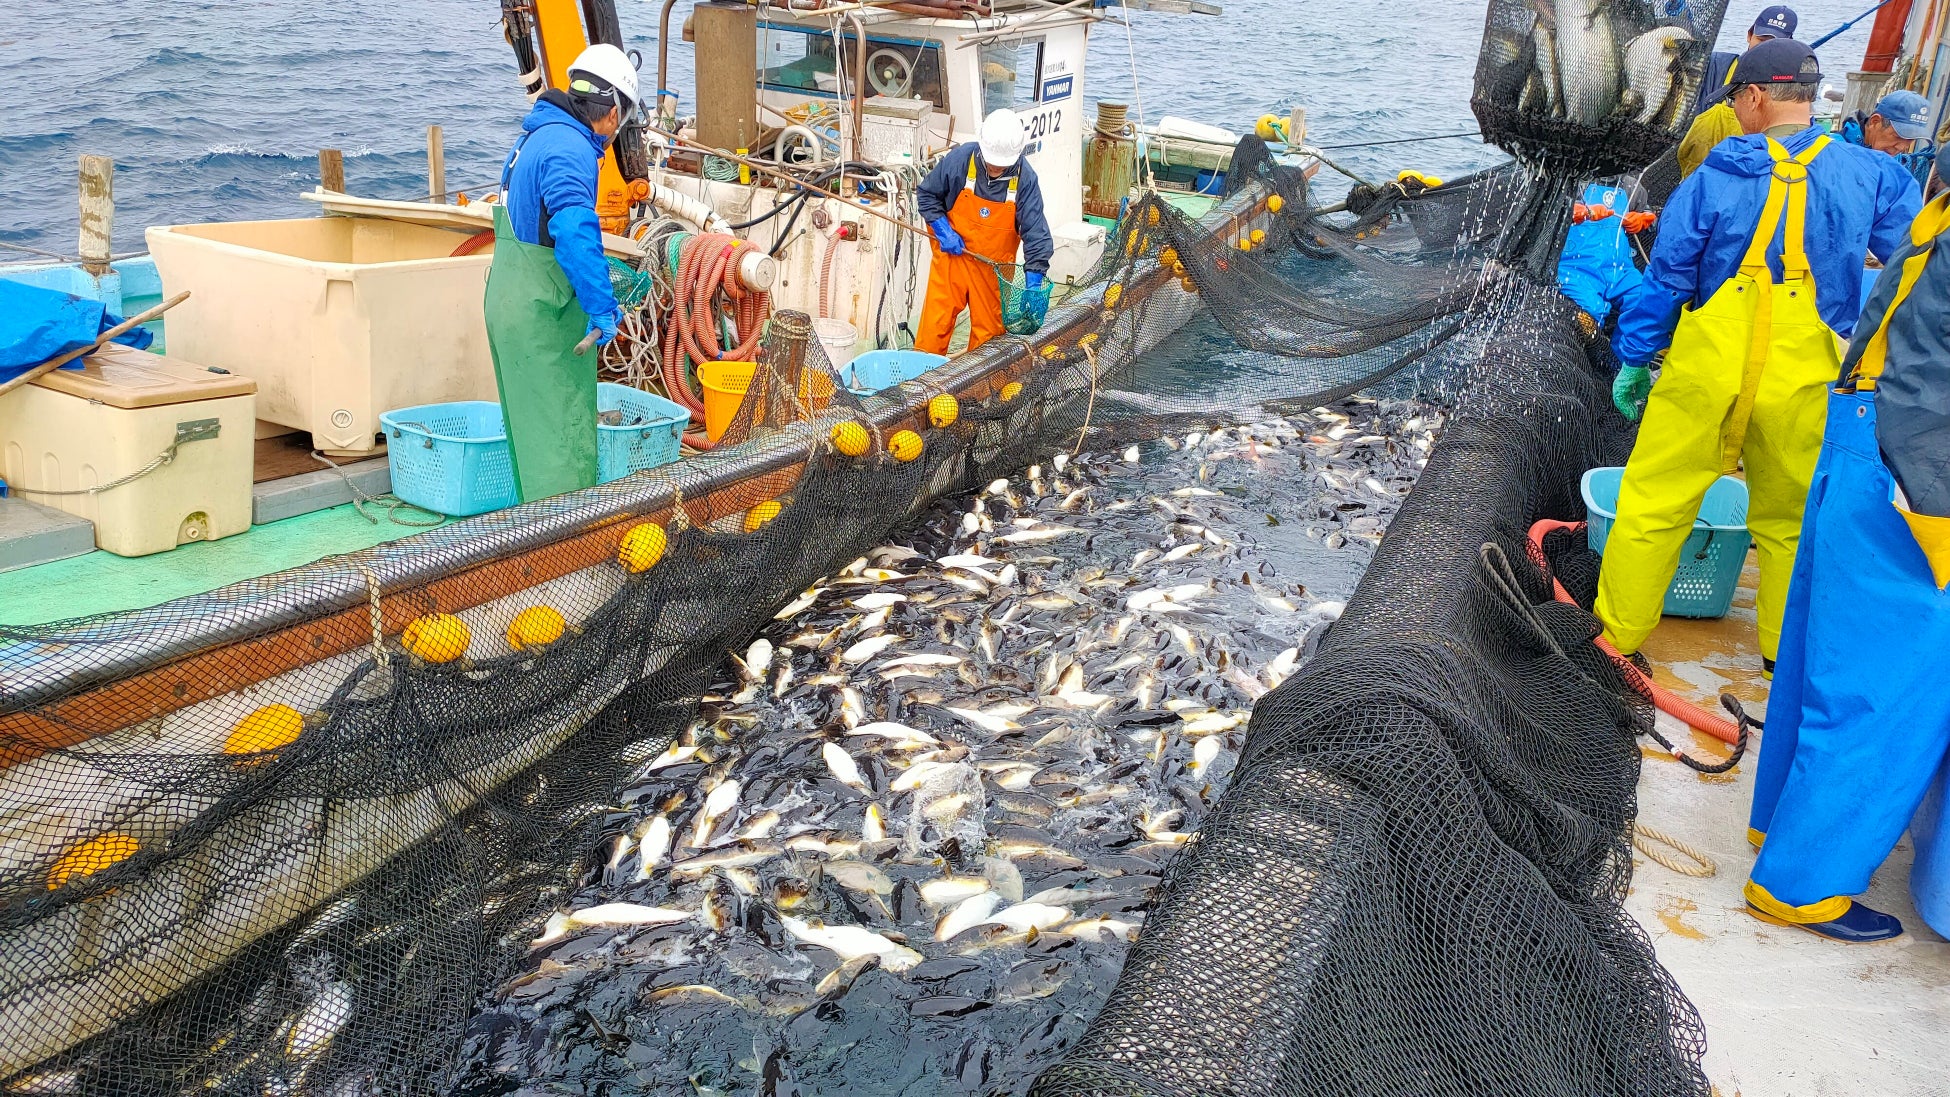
pixel 1647 839
pixel 1089 352
pixel 380 656
pixel 393 503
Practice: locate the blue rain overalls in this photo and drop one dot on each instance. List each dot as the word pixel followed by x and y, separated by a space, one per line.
pixel 1743 384
pixel 1859 718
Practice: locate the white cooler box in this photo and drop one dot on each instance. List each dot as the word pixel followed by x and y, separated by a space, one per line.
pixel 337 318
pixel 72 430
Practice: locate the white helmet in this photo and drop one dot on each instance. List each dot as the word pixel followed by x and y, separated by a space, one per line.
pixel 1002 138
pixel 611 68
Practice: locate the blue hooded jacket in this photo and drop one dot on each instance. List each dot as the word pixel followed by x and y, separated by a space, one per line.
pixel 1596 270
pixel 1859 202
pixel 554 167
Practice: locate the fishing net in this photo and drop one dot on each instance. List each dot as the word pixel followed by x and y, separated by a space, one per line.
pixel 285 837
pixel 1591 87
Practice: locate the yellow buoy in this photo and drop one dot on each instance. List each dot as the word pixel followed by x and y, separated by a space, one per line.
pixel 1245 245
pixel 268 728
pixel 1188 285
pixel 1259 236
pixel 1267 128
pixel 535 627
pixel 1155 217
pixel 1087 340
pixel 1011 390
pixel 1052 352
pixel 943 410
pixel 905 445
pixel 1275 203
pixel 851 438
pixel 90 857
pixel 756 517
pixel 1169 257
pixel 437 637
pixel 642 547
pixel 1113 293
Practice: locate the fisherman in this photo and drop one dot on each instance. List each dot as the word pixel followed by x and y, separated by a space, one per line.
pixel 549 285
pixel 1715 121
pixel 1750 357
pixel 1596 270
pixel 1859 720
pixel 1900 120
pixel 983 200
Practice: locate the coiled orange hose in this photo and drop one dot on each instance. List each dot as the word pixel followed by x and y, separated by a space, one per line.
pixel 706 286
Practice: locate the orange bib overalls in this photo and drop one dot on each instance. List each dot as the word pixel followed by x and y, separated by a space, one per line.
pixel 956 282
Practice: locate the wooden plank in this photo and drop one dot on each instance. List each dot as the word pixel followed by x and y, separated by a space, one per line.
pixel 436 166
pixel 281 456
pixel 97 188
pixel 331 170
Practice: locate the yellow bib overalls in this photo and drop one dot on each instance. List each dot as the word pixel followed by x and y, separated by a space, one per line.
pixel 1745 381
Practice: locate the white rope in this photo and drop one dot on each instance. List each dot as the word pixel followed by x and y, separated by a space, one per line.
pixel 380 657
pixel 1646 840
pixel 1137 100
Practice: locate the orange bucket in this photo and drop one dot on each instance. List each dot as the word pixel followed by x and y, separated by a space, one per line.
pixel 725 383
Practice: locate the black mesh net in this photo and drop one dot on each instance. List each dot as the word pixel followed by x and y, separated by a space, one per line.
pixel 298 835
pixel 1591 87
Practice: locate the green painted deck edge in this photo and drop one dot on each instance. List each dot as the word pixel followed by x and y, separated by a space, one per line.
pixel 102 582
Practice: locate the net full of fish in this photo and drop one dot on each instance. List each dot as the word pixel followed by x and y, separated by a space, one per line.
pixel 910 836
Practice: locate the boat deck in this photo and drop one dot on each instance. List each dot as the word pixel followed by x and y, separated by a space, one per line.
pixel 1787 1014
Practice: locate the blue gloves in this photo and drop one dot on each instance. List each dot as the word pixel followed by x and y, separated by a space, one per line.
pixel 1630 390
pixel 946 236
pixel 604 327
pixel 1035 297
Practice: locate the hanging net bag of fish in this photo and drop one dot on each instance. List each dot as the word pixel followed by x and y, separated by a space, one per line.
pixel 1016 319
pixel 1598 87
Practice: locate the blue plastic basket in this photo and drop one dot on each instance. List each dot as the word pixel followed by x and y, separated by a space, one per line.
pixel 883 369
pixel 1715 553
pixel 453 458
pixel 649 435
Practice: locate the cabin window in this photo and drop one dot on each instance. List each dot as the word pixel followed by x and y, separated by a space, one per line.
pixel 1011 74
pixel 796 60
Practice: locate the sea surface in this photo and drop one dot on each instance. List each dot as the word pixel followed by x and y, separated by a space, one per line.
pixel 217 110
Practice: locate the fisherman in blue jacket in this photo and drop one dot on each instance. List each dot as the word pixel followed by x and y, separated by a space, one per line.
pixel 548 293
pixel 1596 270
pixel 1756 276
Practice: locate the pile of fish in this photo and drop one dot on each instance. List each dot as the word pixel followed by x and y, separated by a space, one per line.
pixel 1594 61
pixel 908 838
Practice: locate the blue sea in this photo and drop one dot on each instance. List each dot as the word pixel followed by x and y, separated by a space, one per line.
pixel 216 111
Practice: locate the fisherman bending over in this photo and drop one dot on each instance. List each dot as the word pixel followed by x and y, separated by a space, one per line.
pixel 1859 720
pixel 1756 272
pixel 982 199
pixel 549 284
pixel 1596 270
pixel 1715 121
pixel 1900 120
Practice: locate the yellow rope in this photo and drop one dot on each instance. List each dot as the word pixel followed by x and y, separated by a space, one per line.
pixel 1647 840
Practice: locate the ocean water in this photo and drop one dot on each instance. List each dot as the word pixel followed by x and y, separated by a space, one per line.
pixel 217 110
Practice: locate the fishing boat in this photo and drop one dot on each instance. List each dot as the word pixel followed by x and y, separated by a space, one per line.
pixel 247 633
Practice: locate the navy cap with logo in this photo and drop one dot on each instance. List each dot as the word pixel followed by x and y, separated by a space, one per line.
pixel 1777 21
pixel 1907 113
pixel 1775 61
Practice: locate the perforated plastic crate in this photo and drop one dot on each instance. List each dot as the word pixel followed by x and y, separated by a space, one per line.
pixel 450 458
pixel 1715 552
pixel 883 369
pixel 649 435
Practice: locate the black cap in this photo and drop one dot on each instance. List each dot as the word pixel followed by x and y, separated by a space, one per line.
pixel 1775 61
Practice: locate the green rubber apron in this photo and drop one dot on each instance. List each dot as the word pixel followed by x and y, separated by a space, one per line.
pixel 548 393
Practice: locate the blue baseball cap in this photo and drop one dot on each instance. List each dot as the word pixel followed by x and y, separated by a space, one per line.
pixel 1775 61
pixel 1907 112
pixel 1777 21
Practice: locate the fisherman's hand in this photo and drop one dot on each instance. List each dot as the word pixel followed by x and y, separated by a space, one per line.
pixel 1630 390
pixel 1638 221
pixel 946 237
pixel 604 327
pixel 1035 296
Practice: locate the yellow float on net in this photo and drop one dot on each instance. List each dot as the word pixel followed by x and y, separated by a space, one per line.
pixel 642 547
pixel 851 438
pixel 1188 285
pixel 758 516
pixel 437 638
pixel 1245 245
pixel 1113 293
pixel 1088 340
pixel 1168 257
pixel 90 857
pixel 1275 203
pixel 1011 390
pixel 1259 236
pixel 905 445
pixel 536 627
pixel 1154 216
pixel 268 728
pixel 943 410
